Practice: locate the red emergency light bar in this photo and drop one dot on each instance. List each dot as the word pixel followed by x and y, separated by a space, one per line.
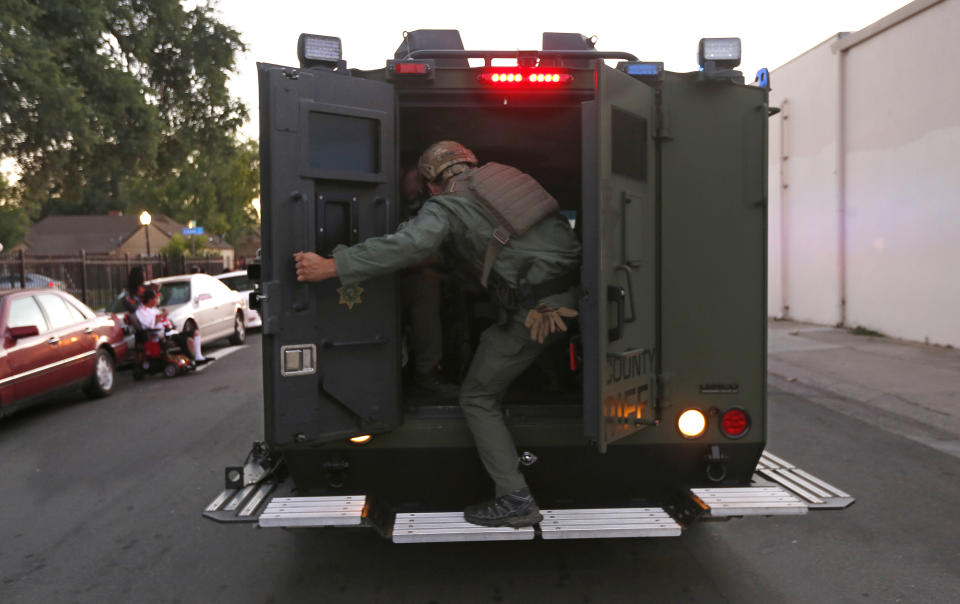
pixel 515 77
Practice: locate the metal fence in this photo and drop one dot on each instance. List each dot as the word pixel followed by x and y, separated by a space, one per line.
pixel 97 280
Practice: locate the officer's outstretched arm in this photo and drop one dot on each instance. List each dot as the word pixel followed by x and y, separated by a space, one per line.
pixel 420 237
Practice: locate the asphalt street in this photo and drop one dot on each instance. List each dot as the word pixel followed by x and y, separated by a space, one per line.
pixel 101 503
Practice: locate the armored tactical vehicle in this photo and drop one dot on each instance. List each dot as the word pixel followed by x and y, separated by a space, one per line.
pixel 655 414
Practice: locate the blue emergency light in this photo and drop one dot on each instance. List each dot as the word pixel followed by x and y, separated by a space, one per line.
pixel 644 69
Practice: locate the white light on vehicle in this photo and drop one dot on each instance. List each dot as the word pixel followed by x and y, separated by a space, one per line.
pixel 692 423
pixel 723 52
pixel 319 49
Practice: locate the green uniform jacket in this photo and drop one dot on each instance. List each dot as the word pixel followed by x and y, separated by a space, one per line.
pixel 548 250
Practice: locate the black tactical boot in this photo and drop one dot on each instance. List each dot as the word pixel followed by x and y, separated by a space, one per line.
pixel 516 509
pixel 434 386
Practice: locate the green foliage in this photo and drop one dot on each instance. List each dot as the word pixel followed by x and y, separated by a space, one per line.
pixel 109 103
pixel 13 225
pixel 13 218
pixel 194 245
pixel 215 190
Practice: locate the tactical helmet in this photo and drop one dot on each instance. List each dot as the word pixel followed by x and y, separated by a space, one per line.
pixel 441 155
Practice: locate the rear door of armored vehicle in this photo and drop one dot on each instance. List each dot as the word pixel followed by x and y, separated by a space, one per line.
pixel 619 273
pixel 328 176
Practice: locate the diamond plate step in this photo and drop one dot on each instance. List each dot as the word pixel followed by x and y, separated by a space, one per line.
pixel 437 527
pixel 608 523
pixel 819 495
pixel 314 511
pixel 721 502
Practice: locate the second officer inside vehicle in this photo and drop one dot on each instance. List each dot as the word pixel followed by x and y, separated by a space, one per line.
pixel 502 222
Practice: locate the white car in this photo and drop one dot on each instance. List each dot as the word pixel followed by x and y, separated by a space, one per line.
pixel 240 282
pixel 217 310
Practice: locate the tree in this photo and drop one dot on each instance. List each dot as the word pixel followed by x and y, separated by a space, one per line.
pixel 180 246
pixel 104 100
pixel 13 219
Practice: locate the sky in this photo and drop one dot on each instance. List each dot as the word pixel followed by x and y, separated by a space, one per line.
pixel 772 31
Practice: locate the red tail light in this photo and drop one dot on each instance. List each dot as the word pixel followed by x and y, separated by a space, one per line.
pixel 525 78
pixel 410 68
pixel 734 422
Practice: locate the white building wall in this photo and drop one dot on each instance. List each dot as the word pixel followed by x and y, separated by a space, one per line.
pixel 902 139
pixel 878 224
pixel 803 203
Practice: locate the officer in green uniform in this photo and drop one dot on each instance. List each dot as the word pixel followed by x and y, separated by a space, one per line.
pixel 502 222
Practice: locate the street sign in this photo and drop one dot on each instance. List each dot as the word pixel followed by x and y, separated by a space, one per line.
pixel 193 231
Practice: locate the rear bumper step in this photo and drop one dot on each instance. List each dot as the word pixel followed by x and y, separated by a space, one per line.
pixel 557 524
pixel 778 488
pixel 608 523
pixel 437 527
pixel 817 494
pixel 349 510
pixel 239 505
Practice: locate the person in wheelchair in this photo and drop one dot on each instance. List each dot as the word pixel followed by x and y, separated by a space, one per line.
pixel 157 335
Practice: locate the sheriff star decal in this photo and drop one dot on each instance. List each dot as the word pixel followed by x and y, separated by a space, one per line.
pixel 350 295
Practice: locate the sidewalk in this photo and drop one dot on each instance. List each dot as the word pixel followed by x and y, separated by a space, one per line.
pixel 905 387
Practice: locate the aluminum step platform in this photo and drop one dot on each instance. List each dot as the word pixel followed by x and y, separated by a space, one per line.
pixel 723 502
pixel 817 494
pixel 348 510
pixel 608 523
pixel 778 488
pixel 439 527
pixel 239 505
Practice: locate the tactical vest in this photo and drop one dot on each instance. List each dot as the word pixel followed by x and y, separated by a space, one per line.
pixel 515 201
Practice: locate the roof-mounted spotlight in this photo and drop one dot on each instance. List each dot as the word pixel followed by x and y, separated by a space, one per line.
pixel 717 58
pixel 319 51
pixel 724 53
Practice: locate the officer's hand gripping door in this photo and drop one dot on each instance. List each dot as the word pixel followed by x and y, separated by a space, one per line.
pixel 328 177
pixel 619 272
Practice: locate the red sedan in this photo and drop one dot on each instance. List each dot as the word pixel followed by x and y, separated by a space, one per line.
pixel 52 341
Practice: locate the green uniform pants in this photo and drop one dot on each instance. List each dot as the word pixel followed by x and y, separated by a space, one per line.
pixel 502 355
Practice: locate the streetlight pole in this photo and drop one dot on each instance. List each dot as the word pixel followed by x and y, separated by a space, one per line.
pixel 145 220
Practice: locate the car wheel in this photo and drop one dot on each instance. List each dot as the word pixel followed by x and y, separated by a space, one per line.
pixel 104 375
pixel 239 330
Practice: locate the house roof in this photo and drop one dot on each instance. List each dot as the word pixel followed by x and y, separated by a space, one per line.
pixel 57 235
pixel 62 235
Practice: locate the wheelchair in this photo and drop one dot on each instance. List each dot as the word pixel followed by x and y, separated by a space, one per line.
pixel 155 352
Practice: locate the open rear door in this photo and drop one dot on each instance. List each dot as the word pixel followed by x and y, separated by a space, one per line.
pixel 619 272
pixel 328 176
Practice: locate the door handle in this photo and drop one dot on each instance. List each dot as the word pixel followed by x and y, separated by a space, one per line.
pixel 626 271
pixel 618 295
pixel 88 330
pixel 53 340
pixel 377 339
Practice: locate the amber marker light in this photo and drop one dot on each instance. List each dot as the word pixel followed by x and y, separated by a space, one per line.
pixel 361 440
pixel 692 423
